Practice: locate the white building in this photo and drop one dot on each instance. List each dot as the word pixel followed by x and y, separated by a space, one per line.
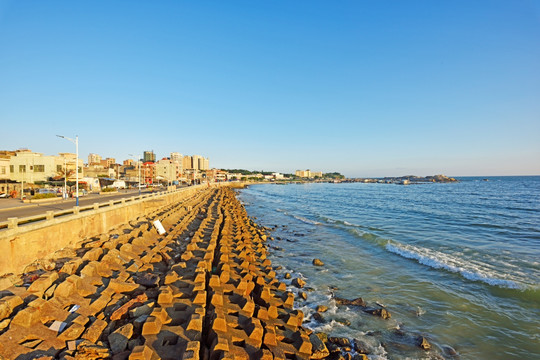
pixel 168 170
pixel 30 167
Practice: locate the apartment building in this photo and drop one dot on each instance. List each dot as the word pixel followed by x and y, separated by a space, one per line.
pixel 30 167
pixel 94 159
pixel 168 170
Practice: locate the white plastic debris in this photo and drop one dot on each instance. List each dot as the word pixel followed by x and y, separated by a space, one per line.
pixel 57 326
pixel 160 229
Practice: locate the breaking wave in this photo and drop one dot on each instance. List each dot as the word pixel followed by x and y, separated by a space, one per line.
pixel 305 220
pixel 468 270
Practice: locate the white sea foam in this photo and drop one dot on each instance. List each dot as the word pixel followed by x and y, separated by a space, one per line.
pixel 474 271
pixel 307 221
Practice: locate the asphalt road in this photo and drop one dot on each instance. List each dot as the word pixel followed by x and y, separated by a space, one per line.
pixel 16 208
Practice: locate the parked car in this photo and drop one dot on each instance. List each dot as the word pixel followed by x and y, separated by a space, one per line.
pixel 3 195
pixel 47 191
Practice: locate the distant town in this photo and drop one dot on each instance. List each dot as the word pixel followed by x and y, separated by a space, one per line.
pixel 31 172
pixel 28 171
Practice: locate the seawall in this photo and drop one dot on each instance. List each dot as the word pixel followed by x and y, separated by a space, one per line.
pixel 26 240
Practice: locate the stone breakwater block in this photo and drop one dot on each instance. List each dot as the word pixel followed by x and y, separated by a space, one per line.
pixel 73 332
pixel 192 351
pixel 119 339
pixel 93 333
pixel 93 254
pixel 147 279
pixel 121 286
pixel 123 310
pixel 27 317
pixel 41 285
pixel 165 295
pixel 145 309
pixel 74 284
pixel 72 266
pixel 152 326
pixel 87 350
pixel 8 304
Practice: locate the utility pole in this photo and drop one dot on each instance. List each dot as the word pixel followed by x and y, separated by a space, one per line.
pixel 76 142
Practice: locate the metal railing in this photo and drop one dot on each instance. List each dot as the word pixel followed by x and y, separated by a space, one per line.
pixel 15 222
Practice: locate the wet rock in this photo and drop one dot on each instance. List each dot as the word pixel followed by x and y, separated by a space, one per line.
pixel 322 336
pixel 303 295
pixel 321 308
pixel 381 312
pixel 278 268
pixel 287 275
pixel 299 283
pixel 423 343
pixel 361 347
pixel 340 341
pixel 360 357
pixel 336 356
pixel 318 262
pixel 343 321
pixel 450 351
pixel 355 302
pixel 319 349
pixel 333 348
pixel 318 317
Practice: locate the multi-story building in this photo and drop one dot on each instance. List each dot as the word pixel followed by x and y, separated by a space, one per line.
pixel 195 162
pixel 128 162
pixel 308 173
pixel 94 159
pixel 28 166
pixel 177 157
pixel 149 156
pixel 204 163
pixel 168 170
pixel 187 163
pixel 4 168
pixel 148 170
pixel 303 173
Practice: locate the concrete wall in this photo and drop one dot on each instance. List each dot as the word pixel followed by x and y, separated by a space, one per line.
pixel 20 245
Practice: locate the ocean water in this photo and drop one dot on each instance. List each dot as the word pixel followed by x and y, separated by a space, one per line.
pixel 457 263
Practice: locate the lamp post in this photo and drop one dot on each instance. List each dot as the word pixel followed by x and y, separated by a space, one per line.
pixel 139 167
pixel 64 195
pixel 76 142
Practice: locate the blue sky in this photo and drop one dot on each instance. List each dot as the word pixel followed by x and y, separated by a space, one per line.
pixel 367 88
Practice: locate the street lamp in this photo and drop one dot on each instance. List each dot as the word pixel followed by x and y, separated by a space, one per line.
pixel 139 167
pixel 76 142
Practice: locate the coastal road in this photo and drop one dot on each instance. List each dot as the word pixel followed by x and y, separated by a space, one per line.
pixel 16 208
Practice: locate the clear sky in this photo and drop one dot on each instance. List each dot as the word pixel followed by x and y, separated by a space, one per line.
pixel 366 88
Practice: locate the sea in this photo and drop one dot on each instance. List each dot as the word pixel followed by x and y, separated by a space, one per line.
pixel 455 263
